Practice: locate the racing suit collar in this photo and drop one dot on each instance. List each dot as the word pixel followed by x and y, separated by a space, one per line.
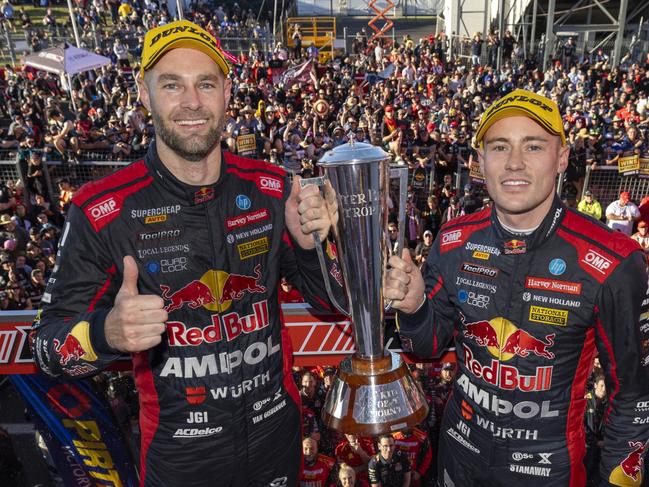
pixel 520 244
pixel 189 194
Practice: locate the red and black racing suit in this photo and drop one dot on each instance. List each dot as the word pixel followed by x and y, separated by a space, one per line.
pixel 528 314
pixel 218 401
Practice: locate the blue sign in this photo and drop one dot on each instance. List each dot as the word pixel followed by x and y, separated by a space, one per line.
pixel 463 296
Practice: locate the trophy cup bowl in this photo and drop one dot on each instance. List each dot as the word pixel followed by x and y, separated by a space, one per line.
pixel 373 392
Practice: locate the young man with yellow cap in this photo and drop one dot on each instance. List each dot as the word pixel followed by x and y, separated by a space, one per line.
pixel 177 259
pixel 531 291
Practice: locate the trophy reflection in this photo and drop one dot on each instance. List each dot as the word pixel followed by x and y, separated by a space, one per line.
pixel 373 392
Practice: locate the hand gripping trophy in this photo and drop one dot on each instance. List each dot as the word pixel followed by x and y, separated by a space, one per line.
pixel 374 392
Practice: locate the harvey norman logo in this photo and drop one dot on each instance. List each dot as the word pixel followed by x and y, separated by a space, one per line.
pixel 553 285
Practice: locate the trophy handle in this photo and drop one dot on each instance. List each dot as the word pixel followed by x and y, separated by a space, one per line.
pixel 401 173
pixel 319 182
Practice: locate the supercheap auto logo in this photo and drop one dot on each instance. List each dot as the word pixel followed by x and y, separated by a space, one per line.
pixel 215 290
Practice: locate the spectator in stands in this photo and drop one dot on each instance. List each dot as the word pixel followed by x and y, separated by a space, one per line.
pixel 390 467
pixel 622 213
pixel 317 470
pixel 9 229
pixel 347 476
pixel 355 452
pixel 416 445
pixel 423 248
pixel 596 405
pixel 642 235
pixel 309 392
pixel 590 206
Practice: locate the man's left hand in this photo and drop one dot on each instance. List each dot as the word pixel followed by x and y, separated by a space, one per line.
pixel 307 212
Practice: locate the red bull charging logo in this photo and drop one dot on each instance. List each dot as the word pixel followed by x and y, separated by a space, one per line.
pixel 215 290
pixel 76 345
pixel 629 472
pixel 504 340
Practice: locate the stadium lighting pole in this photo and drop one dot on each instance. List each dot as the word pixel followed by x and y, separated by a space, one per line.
pixel 617 49
pixel 501 32
pixel 75 29
pixel 549 34
pixel 275 24
pixel 533 34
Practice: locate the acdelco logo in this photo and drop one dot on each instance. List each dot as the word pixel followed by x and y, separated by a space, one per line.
pixel 451 237
pixel 271 184
pixel 597 261
pixel 103 209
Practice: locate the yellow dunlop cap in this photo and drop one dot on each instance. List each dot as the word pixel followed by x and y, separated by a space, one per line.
pixel 182 33
pixel 542 110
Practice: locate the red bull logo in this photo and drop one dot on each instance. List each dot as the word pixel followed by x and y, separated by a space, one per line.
pixel 70 349
pixel 515 246
pixel 632 465
pixel 194 294
pixel 236 285
pixel 215 290
pixel 482 332
pixel 522 344
pixel 504 340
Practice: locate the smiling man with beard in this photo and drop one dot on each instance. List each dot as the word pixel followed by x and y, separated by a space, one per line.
pixel 177 259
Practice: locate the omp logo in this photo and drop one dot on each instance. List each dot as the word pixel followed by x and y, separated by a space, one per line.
pixel 103 209
pixel 271 184
pixel 451 237
pixel 597 261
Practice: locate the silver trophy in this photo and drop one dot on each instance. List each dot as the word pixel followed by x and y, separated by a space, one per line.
pixel 374 392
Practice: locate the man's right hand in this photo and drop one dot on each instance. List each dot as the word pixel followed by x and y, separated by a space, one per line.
pixel 136 322
pixel 404 284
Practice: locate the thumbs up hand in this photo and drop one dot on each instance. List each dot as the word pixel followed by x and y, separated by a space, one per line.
pixel 136 321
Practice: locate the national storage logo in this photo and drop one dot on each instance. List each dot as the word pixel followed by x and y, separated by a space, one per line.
pixel 550 316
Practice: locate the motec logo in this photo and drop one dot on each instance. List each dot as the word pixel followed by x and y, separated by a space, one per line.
pixel 597 261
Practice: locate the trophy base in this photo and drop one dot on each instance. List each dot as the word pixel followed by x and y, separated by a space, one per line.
pixel 374 397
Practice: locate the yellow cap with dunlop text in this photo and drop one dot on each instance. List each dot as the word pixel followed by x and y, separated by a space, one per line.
pixel 524 103
pixel 182 33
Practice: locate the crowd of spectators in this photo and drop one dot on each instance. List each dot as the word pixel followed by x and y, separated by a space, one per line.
pixel 410 97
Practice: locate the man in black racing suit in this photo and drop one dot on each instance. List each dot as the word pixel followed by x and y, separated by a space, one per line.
pixel 531 292
pixel 218 402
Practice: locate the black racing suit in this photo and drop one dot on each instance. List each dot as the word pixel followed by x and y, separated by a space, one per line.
pixel 218 401
pixel 528 314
